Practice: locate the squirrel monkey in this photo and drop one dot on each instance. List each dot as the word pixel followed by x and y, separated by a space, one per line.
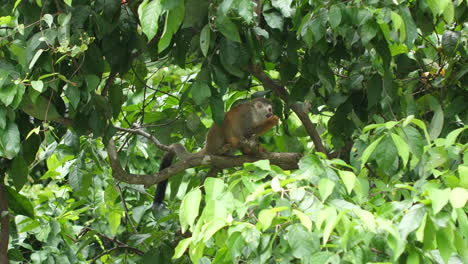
pixel 242 122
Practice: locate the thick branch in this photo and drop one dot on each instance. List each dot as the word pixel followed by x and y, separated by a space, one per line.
pixel 4 223
pixel 287 161
pixel 283 94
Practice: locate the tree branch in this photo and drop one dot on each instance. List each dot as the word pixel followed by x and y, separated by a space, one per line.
pixel 287 161
pixel 4 223
pixel 284 95
pixel 146 135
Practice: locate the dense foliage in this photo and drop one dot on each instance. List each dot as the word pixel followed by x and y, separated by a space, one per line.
pixel 372 92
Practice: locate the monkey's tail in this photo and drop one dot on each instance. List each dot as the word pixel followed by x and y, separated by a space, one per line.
pixel 179 150
pixel 161 189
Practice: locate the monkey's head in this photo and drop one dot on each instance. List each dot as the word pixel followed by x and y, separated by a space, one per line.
pixel 263 108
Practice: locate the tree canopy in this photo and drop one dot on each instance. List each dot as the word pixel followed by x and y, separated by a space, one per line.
pixel 368 165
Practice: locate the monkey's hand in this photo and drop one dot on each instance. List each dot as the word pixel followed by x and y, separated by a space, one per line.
pixel 266 125
pixel 273 119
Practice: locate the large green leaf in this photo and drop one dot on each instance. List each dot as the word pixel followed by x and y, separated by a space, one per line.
pixel 200 92
pixel 228 28
pixel 411 220
pixel 19 204
pixel 205 39
pixel 274 20
pixel 334 16
pixel 189 209
pixel 9 141
pixel 7 94
pixel 174 19
pixel 149 12
pixel 302 242
pixel 19 172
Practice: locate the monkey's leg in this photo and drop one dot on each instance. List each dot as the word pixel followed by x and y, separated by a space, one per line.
pixel 233 142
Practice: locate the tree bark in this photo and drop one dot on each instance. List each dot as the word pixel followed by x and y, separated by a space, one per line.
pixel 4 224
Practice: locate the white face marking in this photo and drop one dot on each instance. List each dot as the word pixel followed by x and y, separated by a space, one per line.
pixel 260 112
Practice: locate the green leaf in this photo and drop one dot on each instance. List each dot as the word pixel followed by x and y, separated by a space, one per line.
pixel 217 109
pixel 211 227
pixel 449 13
pixel 444 243
pixel 368 219
pixel 7 94
pixel 334 16
pixel 450 42
pixel 325 187
pixel 411 28
pixel 181 247
pixel 228 28
pixel 398 25
pixel 193 122
pixel 374 90
pixel 200 92
pixel 114 219
pixel 110 194
pixel 3 117
pixel 149 13
pixel 189 209
pixel 75 177
pixel 368 31
pixel 92 82
pixel 411 220
pixel 437 122
pixel 42 108
pixel 73 94
pixel 305 220
pixel 49 19
pixel 38 86
pixel 302 243
pixel 224 7
pixel 9 141
pixel 386 155
pixel 462 220
pixel 325 257
pixel 205 39
pixel 439 198
pixel 458 197
pixel 265 217
pixel 35 58
pixel 421 125
pixel 326 75
pixel 413 258
pixel 19 172
pixel 213 188
pixel 19 204
pixel 246 11
pixel 284 6
pixel 272 49
pixel 463 174
pixel 274 20
pixel 402 147
pixel 330 224
pixel 348 178
pixel 452 136
pixel 437 6
pixel 174 19
pixel 366 154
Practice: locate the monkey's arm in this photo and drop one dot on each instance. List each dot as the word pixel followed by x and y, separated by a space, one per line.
pixel 265 125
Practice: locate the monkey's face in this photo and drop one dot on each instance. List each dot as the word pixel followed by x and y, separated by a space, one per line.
pixel 263 110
